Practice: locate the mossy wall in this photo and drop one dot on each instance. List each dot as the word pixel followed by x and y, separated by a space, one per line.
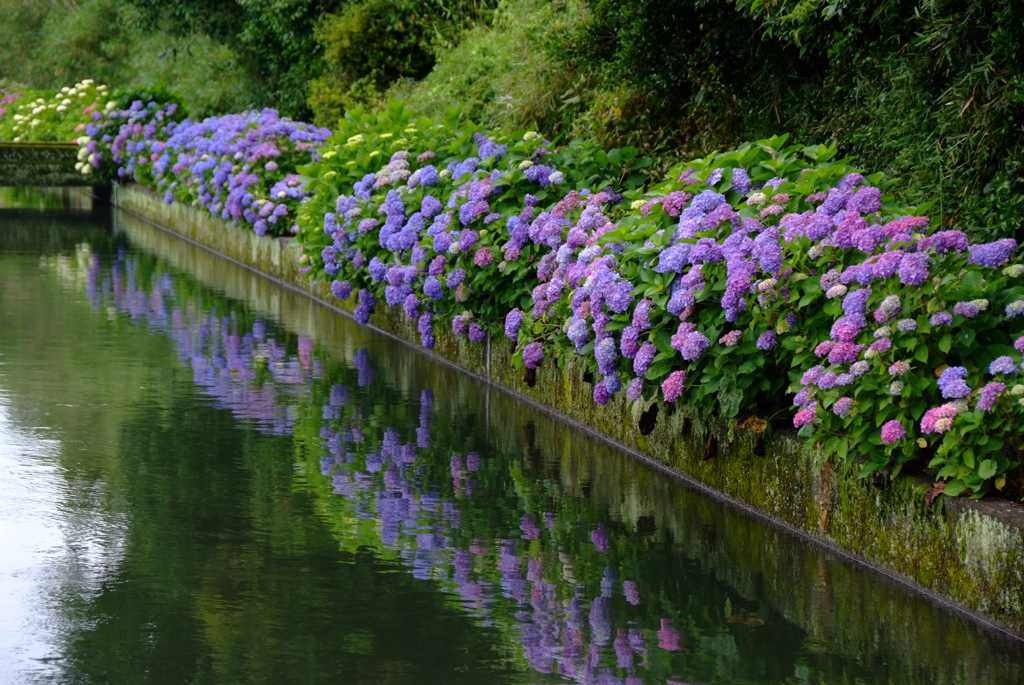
pixel 970 553
pixel 40 165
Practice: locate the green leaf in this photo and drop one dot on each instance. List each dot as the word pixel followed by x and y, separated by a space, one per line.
pixel 945 342
pixel 921 353
pixel 986 469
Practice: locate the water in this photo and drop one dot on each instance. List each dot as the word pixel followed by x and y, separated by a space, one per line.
pixel 207 479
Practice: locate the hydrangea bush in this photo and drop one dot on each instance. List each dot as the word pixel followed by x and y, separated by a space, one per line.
pixel 30 115
pixel 768 272
pixel 768 269
pixel 239 167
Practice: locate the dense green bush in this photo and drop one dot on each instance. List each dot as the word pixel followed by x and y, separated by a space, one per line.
pixel 372 43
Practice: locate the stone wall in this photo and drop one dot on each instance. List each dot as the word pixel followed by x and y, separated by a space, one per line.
pixel 965 552
pixel 40 164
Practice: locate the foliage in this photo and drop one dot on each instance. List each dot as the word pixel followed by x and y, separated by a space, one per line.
pixel 370 44
pixel 50 44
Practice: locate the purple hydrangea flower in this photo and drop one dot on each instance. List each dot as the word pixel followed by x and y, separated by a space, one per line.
pixel 513 320
pixel 989 394
pixel 940 318
pixel 1015 309
pixel 635 389
pixel 812 375
pixel 992 254
pixel 455 278
pixel 914 268
pixel 952 383
pixel 847 328
pixel 892 431
pixel 842 406
pixel 881 345
pixel 432 288
pixel 532 355
pixel 804 397
pixel 643 358
pixel 856 303
pixel 766 340
pixel 906 325
pixel 860 368
pixel 1003 364
pixel 341 289
pixel 692 345
pixel 476 332
pixel 629 343
pixel 605 354
pixel 674 385
pixel 641 315
pixel 601 393
pixel 965 309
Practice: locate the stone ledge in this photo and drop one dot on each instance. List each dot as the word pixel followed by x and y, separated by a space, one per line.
pixel 964 552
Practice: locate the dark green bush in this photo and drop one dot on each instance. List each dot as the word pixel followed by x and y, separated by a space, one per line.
pixel 373 43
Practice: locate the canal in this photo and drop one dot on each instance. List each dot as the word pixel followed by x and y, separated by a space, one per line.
pixel 207 478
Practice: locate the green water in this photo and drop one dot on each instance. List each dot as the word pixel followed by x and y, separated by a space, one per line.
pixel 208 479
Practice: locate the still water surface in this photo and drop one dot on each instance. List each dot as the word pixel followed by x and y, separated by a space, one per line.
pixel 207 479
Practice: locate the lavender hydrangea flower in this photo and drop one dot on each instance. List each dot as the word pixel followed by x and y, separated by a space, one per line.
pixel 804 397
pixel 601 392
pixel 812 375
pixel 513 320
pixel 965 309
pixel 641 315
pixel 629 343
pixel 992 254
pixel 1003 364
pixel 766 341
pixel 476 332
pixel 914 268
pixel 940 318
pixel 989 394
pixel 605 354
pixel 892 431
pixel 842 406
pixel 952 383
pixel 858 369
pixel 455 277
pixel 896 387
pixel 341 289
pixel 533 353
pixel 693 345
pixel 906 325
pixel 432 288
pixel 644 357
pixel 635 389
pixel 1015 309
pixel 856 303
